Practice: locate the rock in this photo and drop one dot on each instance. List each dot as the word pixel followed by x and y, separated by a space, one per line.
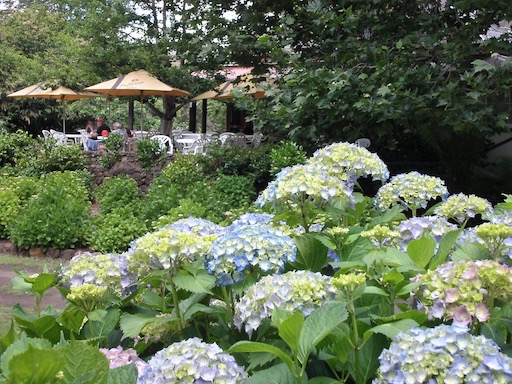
pixel 6 247
pixel 53 253
pixel 67 254
pixel 36 252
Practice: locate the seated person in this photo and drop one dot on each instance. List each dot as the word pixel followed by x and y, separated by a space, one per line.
pixel 102 129
pixel 118 128
pixel 91 126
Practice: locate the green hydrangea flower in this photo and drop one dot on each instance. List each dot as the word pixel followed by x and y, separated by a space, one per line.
pixel 380 235
pixel 343 159
pixel 462 207
pixel 167 249
pixel 411 191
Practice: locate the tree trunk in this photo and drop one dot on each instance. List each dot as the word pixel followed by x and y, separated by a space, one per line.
pixel 169 112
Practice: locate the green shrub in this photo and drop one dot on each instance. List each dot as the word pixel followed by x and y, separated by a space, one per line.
pixel 46 157
pixel 113 144
pixel 149 154
pixel 10 203
pixel 228 193
pixel 13 146
pixel 161 196
pixel 72 182
pixel 57 217
pixel 286 154
pixel 184 170
pixel 113 231
pixel 117 192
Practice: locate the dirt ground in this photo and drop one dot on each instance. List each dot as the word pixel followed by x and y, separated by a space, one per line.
pixel 8 297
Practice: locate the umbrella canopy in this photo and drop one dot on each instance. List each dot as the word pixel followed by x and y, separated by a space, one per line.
pixel 225 90
pixel 138 83
pixel 41 91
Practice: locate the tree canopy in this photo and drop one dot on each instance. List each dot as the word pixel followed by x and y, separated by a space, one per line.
pixel 414 76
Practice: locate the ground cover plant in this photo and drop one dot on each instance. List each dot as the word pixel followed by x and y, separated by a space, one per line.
pixel 325 284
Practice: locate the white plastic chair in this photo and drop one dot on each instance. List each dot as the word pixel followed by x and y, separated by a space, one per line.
pixel 60 138
pixel 46 134
pixel 363 142
pixel 165 143
pixel 200 146
pixel 226 138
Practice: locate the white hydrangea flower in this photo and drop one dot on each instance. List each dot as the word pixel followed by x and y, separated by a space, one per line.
pixel 463 207
pixel 192 361
pixel 291 291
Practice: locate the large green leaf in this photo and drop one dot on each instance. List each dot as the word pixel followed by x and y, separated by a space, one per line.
pixel 323 380
pixel 84 363
pixel 132 324
pixel 422 250
pixel 391 329
pixel 127 374
pixel 44 326
pixel 201 282
pixel 368 359
pixel 356 250
pixel 35 366
pixel 101 323
pixel 19 347
pixel 252 346
pixel 446 246
pixel 318 325
pixel 43 282
pixel 311 253
pixel 9 338
pixel 470 252
pixel 290 329
pixel 72 318
pixel 278 374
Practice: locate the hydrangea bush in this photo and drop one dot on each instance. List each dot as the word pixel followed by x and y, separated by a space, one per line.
pixel 464 291
pixel 117 357
pixel 291 291
pixel 247 249
pixel 415 227
pixel 410 191
pixel 444 354
pixel 192 361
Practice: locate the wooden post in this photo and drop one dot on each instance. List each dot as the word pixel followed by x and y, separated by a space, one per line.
pixel 203 120
pixel 192 122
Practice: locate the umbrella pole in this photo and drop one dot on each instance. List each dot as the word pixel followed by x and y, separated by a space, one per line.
pixel 63 115
pixel 141 111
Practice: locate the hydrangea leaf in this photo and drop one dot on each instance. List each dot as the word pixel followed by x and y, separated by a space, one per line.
pixel 43 282
pixel 72 318
pixel 422 250
pixel 494 333
pixel 445 248
pixel 470 252
pixel 311 253
pixel 9 338
pixel 101 325
pixel 131 325
pixel 391 329
pixel 201 282
pixel 253 346
pixel 323 380
pixel 278 374
pixel 83 364
pixel 127 374
pixel 36 366
pixel 290 329
pixel 44 326
pixel 20 347
pixel 318 325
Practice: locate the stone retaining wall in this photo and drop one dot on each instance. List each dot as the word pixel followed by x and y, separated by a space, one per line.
pixel 127 166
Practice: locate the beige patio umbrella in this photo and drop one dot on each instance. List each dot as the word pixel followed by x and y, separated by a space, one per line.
pixel 42 91
pixel 225 90
pixel 138 83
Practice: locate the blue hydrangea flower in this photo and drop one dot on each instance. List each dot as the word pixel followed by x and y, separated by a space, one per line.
pixel 192 361
pixel 195 225
pixel 444 354
pixel 413 228
pixel 248 248
pixel 343 159
pixel 250 219
pixel 294 290
pixel 88 275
